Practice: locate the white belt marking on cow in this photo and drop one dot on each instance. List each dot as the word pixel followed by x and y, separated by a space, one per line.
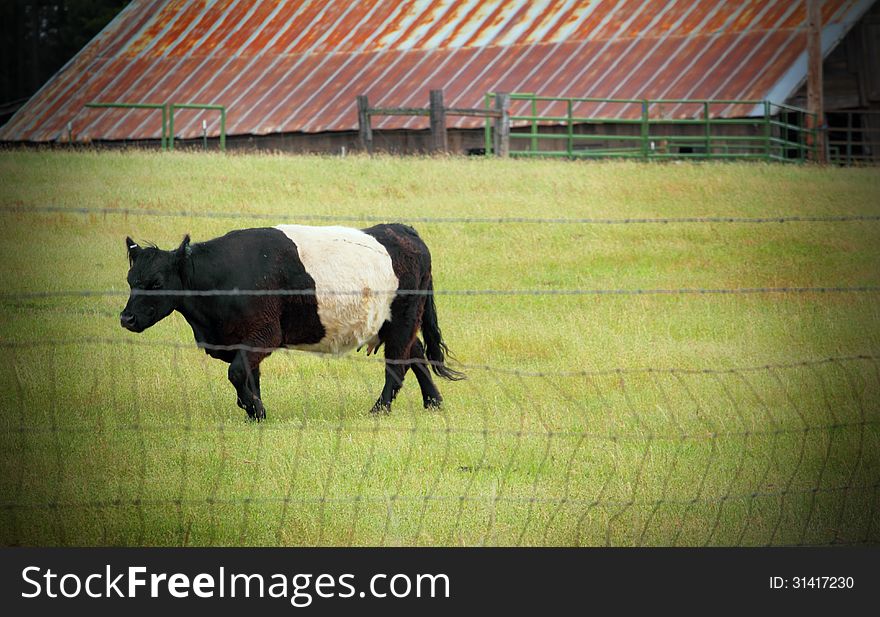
pixel 343 259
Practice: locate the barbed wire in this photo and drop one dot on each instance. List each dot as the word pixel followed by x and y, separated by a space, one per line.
pixel 210 501
pixel 305 216
pixel 99 340
pixel 185 293
pixel 449 430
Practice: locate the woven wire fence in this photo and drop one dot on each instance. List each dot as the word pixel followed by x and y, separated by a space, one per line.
pixel 106 453
pixel 137 440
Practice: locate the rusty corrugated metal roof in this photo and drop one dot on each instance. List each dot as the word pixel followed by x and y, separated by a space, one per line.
pixel 284 66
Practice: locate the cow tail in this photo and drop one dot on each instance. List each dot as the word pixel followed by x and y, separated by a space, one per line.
pixel 435 348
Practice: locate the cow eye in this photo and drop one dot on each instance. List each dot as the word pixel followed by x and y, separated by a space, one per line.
pixel 154 285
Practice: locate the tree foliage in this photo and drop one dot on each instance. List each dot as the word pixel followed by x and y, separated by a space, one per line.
pixel 38 36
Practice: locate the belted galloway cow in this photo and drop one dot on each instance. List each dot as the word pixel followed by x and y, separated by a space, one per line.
pixel 321 289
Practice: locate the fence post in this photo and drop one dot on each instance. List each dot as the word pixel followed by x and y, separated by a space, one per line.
pixel 708 128
pixel 815 104
pixel 570 131
pixel 164 138
pixel 438 122
pixel 767 149
pixel 644 130
pixel 170 125
pixel 502 125
pixel 223 128
pixel 849 131
pixel 365 131
pixel 534 110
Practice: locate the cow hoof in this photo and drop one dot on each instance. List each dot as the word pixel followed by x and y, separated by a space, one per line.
pixel 256 411
pixel 433 403
pixel 381 407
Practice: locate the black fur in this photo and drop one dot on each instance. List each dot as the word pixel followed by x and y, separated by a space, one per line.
pixel 266 258
pixel 411 260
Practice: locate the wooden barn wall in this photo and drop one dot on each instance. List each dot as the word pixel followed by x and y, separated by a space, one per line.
pixel 852 70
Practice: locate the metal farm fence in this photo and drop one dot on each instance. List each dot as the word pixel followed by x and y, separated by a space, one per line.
pixel 855 138
pixel 123 440
pixel 648 128
pixel 166 139
pixel 529 125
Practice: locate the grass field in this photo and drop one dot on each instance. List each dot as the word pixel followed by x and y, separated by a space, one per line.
pixel 110 438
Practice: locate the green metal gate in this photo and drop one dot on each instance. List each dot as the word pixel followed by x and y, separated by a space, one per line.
pixel 654 129
pixel 167 134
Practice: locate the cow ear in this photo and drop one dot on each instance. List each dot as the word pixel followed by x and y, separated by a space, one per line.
pixel 183 252
pixel 133 249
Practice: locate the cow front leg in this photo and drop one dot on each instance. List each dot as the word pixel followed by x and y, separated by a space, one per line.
pixel 394 373
pixel 254 387
pixel 396 351
pixel 244 374
pixel 255 375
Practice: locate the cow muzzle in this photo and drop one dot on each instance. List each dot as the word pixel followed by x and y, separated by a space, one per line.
pixel 128 321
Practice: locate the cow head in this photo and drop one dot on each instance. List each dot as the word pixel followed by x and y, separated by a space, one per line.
pixel 151 270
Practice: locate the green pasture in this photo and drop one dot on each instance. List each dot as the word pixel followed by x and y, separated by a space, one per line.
pixel 655 419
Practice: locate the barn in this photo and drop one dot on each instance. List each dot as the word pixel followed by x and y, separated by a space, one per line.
pixel 285 75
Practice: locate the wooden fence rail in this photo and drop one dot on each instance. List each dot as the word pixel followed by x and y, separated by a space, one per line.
pixel 437 113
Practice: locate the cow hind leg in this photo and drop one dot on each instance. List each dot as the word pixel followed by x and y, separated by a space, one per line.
pixel 244 374
pixel 430 394
pixel 400 337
